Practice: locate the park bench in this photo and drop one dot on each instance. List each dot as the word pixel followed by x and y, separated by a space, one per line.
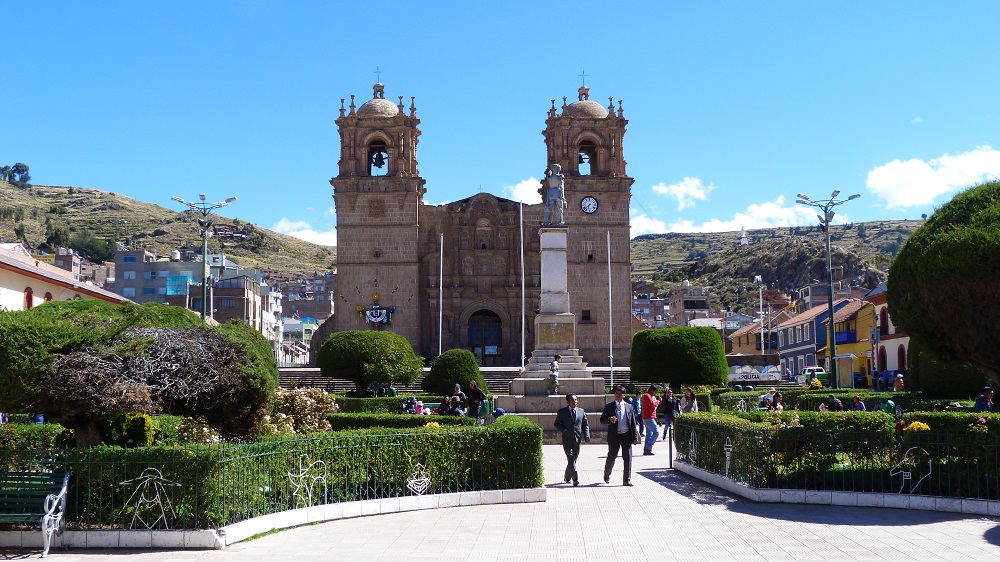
pixel 30 497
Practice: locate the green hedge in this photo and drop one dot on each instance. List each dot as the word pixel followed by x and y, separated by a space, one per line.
pixel 956 422
pixel 364 420
pixel 847 451
pixel 386 405
pixel 33 436
pixel 682 356
pixel 213 485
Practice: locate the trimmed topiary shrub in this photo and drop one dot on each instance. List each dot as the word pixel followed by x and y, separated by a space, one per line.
pixel 453 366
pixel 369 356
pixel 682 356
pixel 948 378
pixel 944 281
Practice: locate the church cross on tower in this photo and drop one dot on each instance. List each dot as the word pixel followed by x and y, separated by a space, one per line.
pixel 583 75
pixel 378 74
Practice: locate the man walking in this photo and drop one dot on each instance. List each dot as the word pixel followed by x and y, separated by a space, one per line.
pixel 650 401
pixel 622 434
pixel 572 423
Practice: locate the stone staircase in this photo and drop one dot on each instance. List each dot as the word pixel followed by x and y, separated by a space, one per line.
pixel 528 393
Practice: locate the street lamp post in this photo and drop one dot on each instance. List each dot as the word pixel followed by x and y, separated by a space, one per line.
pixel 827 205
pixel 205 223
pixel 760 291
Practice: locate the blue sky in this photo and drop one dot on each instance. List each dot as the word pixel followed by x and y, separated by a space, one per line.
pixel 734 107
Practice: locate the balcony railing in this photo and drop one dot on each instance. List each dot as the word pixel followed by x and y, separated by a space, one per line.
pixel 847 337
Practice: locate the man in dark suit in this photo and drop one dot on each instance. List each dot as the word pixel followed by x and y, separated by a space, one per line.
pixel 623 432
pixel 572 422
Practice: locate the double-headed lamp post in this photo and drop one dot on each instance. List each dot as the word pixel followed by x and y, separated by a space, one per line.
pixel 205 223
pixel 827 205
pixel 760 290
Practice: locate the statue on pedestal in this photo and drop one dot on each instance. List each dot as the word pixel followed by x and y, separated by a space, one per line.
pixel 555 196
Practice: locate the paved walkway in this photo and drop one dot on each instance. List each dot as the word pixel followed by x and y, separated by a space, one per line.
pixel 665 516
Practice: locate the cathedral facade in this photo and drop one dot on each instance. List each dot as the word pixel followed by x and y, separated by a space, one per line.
pixel 392 273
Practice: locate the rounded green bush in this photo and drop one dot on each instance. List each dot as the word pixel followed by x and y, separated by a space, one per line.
pixel 680 356
pixel 369 356
pixel 946 280
pixel 451 367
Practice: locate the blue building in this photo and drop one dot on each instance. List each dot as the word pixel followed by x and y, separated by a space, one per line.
pixel 800 337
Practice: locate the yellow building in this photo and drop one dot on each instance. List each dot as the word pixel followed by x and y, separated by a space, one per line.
pixel 853 325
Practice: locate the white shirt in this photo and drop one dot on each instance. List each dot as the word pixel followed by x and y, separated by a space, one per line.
pixel 620 414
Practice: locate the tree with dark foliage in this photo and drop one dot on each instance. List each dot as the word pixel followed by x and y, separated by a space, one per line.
pixel 80 361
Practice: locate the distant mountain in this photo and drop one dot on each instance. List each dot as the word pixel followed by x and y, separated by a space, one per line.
pixel 787 257
pixel 39 212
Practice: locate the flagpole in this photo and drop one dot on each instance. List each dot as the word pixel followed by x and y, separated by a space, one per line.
pixel 441 294
pixel 611 323
pixel 522 284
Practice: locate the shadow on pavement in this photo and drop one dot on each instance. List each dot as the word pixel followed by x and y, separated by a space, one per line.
pixel 993 536
pixel 703 493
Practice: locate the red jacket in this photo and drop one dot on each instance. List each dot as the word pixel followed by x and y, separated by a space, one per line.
pixel 649 405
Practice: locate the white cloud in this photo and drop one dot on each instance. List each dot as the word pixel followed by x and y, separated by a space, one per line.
pixel 769 214
pixel 916 120
pixel 685 192
pixel 643 224
pixel 525 191
pixel 304 231
pixel 917 183
pixel 284 226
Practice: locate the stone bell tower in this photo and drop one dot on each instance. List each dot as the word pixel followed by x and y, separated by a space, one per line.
pixel 586 139
pixel 378 194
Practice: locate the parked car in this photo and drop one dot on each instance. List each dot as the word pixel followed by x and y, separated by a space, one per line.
pixel 860 380
pixel 816 373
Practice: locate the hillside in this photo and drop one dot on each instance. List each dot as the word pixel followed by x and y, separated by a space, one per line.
pixel 877 241
pixel 788 257
pixel 113 217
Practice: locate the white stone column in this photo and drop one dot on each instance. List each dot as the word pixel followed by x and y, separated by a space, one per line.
pixel 555 286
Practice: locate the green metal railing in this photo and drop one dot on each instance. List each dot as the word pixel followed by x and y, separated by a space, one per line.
pixel 957 465
pixel 208 486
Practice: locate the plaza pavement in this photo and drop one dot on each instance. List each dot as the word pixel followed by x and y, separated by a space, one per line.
pixel 665 516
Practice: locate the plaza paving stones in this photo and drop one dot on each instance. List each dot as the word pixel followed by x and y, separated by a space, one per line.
pixel 666 516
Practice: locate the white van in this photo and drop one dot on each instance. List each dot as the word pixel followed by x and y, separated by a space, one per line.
pixel 816 373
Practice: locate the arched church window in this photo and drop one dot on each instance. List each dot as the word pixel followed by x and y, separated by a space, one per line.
pixel 587 156
pixel 48 297
pixel 484 234
pixel 29 298
pixel 378 159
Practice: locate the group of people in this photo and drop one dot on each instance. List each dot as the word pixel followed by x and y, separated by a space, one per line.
pixel 458 403
pixel 624 421
pixel 772 400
